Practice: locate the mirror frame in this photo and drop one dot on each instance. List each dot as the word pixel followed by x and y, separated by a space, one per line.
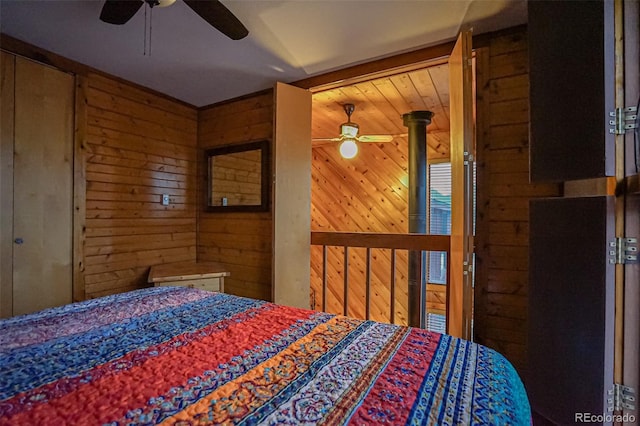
pixel 265 181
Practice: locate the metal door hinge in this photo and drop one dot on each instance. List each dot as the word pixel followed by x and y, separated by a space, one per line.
pixel 623 250
pixel 468 157
pixel 621 397
pixel 467 267
pixel 623 119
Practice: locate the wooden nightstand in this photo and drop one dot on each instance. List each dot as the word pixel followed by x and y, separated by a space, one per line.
pixel 203 275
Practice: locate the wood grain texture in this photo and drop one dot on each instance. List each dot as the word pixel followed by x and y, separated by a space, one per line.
pixel 43 187
pixel 503 194
pixel 137 146
pixel 79 188
pixel 365 194
pixel 380 103
pixel 369 193
pixel 291 196
pixel 7 114
pixel 241 242
pixel 460 287
pixel 181 271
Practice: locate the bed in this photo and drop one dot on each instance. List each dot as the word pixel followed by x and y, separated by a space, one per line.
pixel 175 355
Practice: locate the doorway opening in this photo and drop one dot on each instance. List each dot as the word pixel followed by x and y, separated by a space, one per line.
pixel 369 193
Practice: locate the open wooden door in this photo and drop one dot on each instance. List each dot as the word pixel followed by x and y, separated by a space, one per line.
pixel 582 315
pixel 460 288
pixel 292 196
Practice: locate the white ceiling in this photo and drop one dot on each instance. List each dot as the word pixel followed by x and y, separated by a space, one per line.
pixel 288 40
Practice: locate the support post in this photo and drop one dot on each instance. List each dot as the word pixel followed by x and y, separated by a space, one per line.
pixel 417 122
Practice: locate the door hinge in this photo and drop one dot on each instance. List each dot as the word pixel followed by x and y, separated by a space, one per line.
pixel 467 157
pixel 621 397
pixel 623 119
pixel 623 250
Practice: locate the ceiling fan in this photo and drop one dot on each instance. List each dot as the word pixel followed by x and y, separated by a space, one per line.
pixel 349 135
pixel 119 12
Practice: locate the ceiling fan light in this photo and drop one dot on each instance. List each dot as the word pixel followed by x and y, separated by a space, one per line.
pixel 348 149
pixel 349 130
pixel 165 3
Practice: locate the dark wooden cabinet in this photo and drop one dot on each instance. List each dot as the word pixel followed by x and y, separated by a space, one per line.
pixel 578 348
pixel 571 306
pixel 571 48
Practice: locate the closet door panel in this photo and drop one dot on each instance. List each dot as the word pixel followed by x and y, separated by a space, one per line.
pixel 43 187
pixel 572 89
pixel 571 306
pixel 7 88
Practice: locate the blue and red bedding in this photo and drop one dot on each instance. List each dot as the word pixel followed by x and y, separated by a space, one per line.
pixel 170 355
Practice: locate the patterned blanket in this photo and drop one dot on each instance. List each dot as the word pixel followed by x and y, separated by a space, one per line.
pixel 181 356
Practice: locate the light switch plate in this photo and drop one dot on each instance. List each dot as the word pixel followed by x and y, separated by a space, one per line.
pixel 165 199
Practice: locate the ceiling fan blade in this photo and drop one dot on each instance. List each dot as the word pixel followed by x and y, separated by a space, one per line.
pixel 375 138
pixel 326 139
pixel 221 18
pixel 119 12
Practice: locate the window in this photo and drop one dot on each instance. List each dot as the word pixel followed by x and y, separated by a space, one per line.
pixel 439 217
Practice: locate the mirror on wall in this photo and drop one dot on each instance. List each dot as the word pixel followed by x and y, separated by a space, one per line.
pixel 238 177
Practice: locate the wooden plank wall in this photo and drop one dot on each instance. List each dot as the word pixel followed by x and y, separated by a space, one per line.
pixel 504 191
pixel 138 147
pixel 365 194
pixel 240 241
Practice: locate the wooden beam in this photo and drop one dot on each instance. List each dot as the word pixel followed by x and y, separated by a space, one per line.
pixel 590 187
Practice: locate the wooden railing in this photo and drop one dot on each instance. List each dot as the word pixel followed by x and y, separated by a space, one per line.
pixel 413 242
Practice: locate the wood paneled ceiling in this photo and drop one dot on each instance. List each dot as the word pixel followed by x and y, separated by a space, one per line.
pixel 380 104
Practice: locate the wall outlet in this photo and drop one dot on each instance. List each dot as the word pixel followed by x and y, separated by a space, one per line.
pixel 224 201
pixel 165 199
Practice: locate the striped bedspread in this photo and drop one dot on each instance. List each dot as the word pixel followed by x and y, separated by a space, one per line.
pixel 181 356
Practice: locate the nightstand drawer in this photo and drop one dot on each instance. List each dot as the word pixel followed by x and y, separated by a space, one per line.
pixel 207 276
pixel 209 284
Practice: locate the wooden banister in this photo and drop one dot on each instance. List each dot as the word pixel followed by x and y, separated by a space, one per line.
pixel 382 240
pixel 415 242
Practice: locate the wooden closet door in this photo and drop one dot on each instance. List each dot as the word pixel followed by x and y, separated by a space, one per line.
pixel 572 86
pixel 571 307
pixel 43 187
pixel 572 289
pixel 7 89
